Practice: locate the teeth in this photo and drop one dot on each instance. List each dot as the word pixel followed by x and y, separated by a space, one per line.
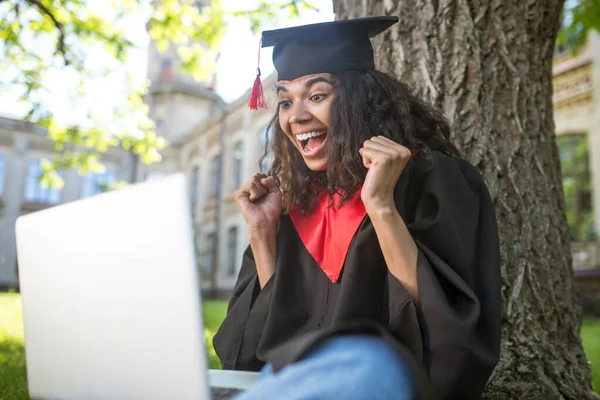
pixel 306 136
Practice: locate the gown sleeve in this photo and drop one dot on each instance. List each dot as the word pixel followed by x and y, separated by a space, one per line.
pixel 452 221
pixel 246 316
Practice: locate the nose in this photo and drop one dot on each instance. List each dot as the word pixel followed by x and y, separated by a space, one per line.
pixel 299 113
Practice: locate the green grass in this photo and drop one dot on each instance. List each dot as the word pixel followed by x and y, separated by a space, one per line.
pixel 13 385
pixel 590 334
pixel 214 312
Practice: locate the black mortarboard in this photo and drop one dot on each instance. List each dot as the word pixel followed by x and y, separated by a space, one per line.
pixel 325 47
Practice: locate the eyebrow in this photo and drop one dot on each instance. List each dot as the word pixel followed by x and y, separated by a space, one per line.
pixel 307 85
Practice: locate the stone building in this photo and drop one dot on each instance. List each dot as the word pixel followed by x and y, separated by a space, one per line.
pixel 22 147
pixel 176 102
pixel 219 155
pixel 576 101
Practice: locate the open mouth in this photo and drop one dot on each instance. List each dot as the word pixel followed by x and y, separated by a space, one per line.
pixel 312 143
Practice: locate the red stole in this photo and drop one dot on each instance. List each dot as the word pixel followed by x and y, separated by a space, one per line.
pixel 328 231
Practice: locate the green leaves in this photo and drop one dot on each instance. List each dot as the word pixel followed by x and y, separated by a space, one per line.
pixel 43 38
pixel 579 17
pixel 577 185
pixel 196 31
pixel 267 12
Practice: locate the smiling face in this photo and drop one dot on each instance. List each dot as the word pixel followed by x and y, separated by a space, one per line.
pixel 304 105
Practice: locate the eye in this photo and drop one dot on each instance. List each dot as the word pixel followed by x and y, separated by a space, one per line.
pixel 285 104
pixel 318 97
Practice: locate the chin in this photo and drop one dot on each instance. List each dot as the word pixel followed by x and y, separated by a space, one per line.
pixel 316 165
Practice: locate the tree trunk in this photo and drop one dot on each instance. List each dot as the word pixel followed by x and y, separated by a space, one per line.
pixel 487 64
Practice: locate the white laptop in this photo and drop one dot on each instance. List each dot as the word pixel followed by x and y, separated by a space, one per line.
pixel 111 298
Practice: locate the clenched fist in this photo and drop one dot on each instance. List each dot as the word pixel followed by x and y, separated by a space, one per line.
pixel 385 160
pixel 260 202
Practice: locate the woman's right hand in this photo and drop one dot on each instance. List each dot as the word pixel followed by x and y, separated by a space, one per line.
pixel 260 201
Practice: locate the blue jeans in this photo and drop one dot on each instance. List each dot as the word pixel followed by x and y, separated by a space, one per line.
pixel 348 367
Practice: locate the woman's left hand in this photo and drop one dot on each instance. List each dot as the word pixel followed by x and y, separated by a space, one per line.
pixel 385 160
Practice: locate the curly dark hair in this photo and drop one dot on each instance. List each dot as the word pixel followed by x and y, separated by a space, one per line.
pixel 365 104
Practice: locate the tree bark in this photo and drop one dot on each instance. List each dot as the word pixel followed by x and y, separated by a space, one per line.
pixel 487 64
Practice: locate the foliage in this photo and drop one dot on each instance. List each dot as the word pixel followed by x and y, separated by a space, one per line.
pixel 590 335
pixel 44 39
pixel 214 314
pixel 579 17
pixel 577 186
pixel 13 381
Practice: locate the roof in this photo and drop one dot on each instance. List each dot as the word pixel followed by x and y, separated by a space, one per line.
pixel 192 89
pixel 21 125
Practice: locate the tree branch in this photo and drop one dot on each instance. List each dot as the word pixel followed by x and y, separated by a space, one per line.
pixel 60 47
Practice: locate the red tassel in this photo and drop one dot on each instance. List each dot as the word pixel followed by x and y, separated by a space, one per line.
pixel 257 98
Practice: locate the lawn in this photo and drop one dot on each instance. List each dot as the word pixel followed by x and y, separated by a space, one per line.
pixel 590 333
pixel 13 385
pixel 12 352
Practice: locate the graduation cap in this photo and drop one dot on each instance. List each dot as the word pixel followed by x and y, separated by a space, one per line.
pixel 320 48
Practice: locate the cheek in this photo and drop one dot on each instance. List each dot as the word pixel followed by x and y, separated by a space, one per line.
pixel 285 127
pixel 283 122
pixel 324 111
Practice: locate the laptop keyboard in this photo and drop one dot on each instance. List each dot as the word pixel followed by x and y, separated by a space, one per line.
pixel 223 393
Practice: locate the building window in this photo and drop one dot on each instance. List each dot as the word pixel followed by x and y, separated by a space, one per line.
pixel 232 237
pixel 34 192
pixel 577 186
pixel 210 256
pixel 94 184
pixel 160 126
pixel 238 159
pixel 166 71
pixel 264 151
pixel 215 176
pixel 195 187
pixel 2 174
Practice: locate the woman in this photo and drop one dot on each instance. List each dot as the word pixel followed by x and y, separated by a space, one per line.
pixel 369 221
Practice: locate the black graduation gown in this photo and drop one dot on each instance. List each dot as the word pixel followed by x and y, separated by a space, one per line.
pixel 454 330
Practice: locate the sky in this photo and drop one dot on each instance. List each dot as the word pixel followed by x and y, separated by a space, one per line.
pixel 236 69
pixel 237 65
